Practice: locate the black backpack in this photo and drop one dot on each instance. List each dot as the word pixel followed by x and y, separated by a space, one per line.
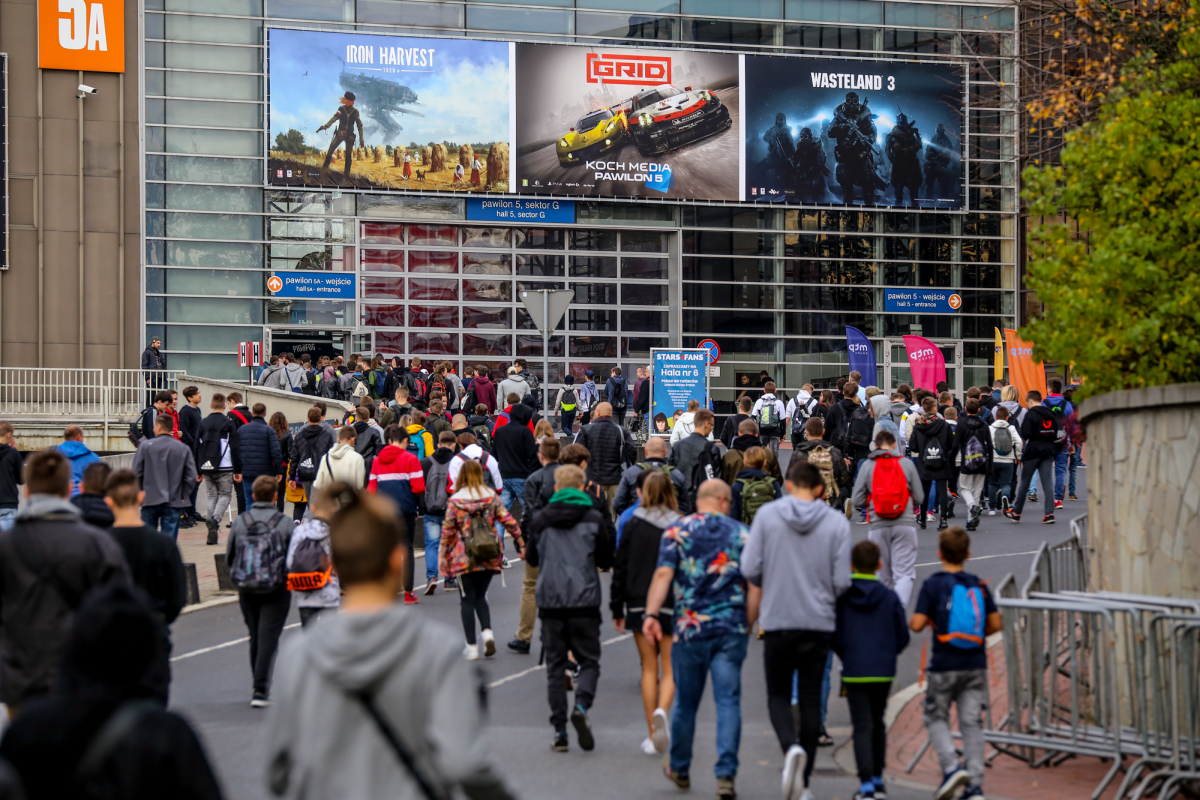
pixel 801 416
pixel 858 430
pixel 619 396
pixel 933 455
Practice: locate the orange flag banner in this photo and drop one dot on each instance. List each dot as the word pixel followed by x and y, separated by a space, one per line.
pixel 1024 373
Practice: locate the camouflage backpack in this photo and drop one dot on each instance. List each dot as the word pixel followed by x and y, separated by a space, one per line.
pixel 822 459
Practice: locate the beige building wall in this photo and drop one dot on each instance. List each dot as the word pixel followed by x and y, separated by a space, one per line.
pixel 41 317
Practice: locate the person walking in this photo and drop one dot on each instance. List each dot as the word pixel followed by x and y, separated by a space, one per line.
pixel 769 412
pixel 797 561
pixel 190 420
pixel 154 565
pixel 483 389
pixel 830 463
pixel 616 392
pixel 641 401
pixel 799 410
pixel 1063 410
pixel 589 396
pixel 933 441
pixel 539 488
pixel 697 457
pixel 472 553
pixel 752 487
pixel 283 432
pixel 309 558
pixel 656 461
pixel 516 450
pixel 633 571
pixel 78 453
pixel 256 553
pixel 871 632
pixel 566 404
pixel 568 542
pixel 261 452
pixel 888 486
pixel 1041 433
pixel 686 423
pixel 167 472
pixel 219 463
pixel 730 430
pixel 11 466
pixel 735 457
pixel 397 473
pixel 700 558
pixel 1006 455
pixel 973 452
pixel 515 383
pixel 90 500
pixel 342 464
pixel 48 538
pixel 436 469
pixel 610 446
pixel 307 450
pixel 409 715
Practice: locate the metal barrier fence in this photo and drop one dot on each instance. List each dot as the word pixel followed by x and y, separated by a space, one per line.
pixel 115 395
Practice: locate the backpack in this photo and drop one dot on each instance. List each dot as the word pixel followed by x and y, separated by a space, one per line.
pixel 311 567
pixel 705 467
pixel 889 488
pixel 886 423
pixel 376 380
pixel 417 388
pixel 488 481
pixel 484 438
pixel 665 469
pixel 259 556
pixel 586 397
pixel 568 399
pixel 358 387
pixel 756 493
pixel 437 385
pixel 965 618
pixel 801 416
pixel 933 456
pixel 974 454
pixel 1002 441
pixel 859 429
pixel 768 418
pixel 437 488
pixel 211 452
pixel 620 398
pixel 822 459
pixel 481 542
pixel 310 388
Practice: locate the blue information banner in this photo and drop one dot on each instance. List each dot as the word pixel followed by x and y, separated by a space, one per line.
pixel 679 376
pixel 922 301
pixel 313 285
pixel 518 210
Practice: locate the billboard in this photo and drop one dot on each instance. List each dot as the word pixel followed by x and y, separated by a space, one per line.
pixel 837 131
pixel 617 122
pixel 368 111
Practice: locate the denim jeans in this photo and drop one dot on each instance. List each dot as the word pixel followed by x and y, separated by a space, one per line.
pixel 8 518
pixel 1075 462
pixel 165 513
pixel 514 490
pixel 693 660
pixel 433 543
pixel 1000 483
pixel 1060 472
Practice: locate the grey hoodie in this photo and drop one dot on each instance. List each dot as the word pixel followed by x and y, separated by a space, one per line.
pixel 513 384
pixel 1016 414
pixel 799 553
pixel 269 377
pixel 881 407
pixel 862 488
pixel 322 743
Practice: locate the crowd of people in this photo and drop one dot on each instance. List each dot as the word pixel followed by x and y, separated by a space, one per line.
pixel 707 540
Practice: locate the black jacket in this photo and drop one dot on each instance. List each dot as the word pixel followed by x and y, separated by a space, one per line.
pixel 977 425
pixel 841 473
pixel 244 419
pixel 610 447
pixel 514 446
pixel 1039 433
pixel 156 568
pixel 836 419
pixel 729 431
pixel 36 613
pixel 218 435
pixel 189 425
pixel 93 510
pixel 368 443
pixel 698 459
pixel 309 445
pixel 539 488
pixel 641 398
pixel 261 453
pixel 153 359
pixel 568 543
pixel 934 428
pixel 634 565
pixel 11 466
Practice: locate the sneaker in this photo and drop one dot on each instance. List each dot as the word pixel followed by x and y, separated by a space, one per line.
pixel 682 782
pixel 1004 504
pixel 1048 519
pixel 1014 516
pixel 489 643
pixel 410 599
pixel 583 728
pixel 560 743
pixel 431 588
pixel 450 583
pixel 471 652
pixel 1033 497
pixel 950 506
pixel 662 731
pixel 943 524
pixel 865 793
pixel 991 512
pixel 214 526
pixel 519 646
pixel 921 520
pixel 648 747
pixel 863 521
pixel 725 790
pixel 260 700
pixel 848 507
pixel 972 793
pixel 824 740
pixel 793 772
pixel 880 789
pixel 1072 497
pixel 952 781
pixel 972 523
pixel 504 564
pixel 1058 504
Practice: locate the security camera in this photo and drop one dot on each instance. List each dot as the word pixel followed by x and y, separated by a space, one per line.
pixel 84 89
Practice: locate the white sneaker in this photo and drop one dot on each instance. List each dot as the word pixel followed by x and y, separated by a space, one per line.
pixel 471 652
pixel 808 795
pixel 793 773
pixel 991 512
pixel 648 747
pixel 489 643
pixel 662 731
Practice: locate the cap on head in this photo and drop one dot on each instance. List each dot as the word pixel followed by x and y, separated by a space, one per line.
pixel 349 96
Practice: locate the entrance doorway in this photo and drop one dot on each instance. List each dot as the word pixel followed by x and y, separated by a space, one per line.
pixel 316 342
pixel 896 370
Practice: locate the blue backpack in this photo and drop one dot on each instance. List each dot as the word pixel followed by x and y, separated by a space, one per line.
pixel 965 616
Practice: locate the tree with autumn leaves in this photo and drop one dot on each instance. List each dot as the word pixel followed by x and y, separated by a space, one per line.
pixel 1115 249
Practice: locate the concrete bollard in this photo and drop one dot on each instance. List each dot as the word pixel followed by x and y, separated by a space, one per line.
pixel 193 584
pixel 224 582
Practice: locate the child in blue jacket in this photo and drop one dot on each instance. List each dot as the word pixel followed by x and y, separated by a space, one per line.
pixel 871 632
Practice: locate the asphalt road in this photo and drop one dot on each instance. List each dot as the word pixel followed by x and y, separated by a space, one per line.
pixel 212 688
pixel 707 169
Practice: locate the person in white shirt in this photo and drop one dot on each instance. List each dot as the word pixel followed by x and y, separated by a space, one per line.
pixel 1006 454
pixel 769 433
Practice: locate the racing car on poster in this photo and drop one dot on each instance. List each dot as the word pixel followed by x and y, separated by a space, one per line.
pixel 612 122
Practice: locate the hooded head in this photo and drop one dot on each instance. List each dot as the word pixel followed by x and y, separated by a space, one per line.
pixel 879 406
pixel 111 647
pixel 521 413
pixel 569 380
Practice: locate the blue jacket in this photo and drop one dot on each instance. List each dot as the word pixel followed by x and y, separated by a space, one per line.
pixel 614 387
pixel 260 450
pixel 80 456
pixel 871 631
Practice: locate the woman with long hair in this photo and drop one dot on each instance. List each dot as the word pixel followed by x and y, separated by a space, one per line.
pixel 279 424
pixel 637 558
pixel 543 429
pixel 473 500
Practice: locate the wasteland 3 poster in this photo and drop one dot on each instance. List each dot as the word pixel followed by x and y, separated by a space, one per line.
pixel 863 133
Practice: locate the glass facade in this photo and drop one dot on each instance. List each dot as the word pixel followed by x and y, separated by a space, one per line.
pixel 774 286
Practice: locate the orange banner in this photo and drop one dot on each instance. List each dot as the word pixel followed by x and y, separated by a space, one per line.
pixel 1026 375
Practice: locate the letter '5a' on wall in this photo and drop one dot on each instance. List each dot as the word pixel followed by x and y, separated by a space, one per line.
pixel 86 35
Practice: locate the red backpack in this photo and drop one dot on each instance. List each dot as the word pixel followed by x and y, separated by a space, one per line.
pixel 889 488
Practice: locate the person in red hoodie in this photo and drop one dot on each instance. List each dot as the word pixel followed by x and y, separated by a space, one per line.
pixel 502 417
pixel 483 388
pixel 397 473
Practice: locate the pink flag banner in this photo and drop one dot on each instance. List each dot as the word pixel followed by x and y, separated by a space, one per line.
pixel 926 362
